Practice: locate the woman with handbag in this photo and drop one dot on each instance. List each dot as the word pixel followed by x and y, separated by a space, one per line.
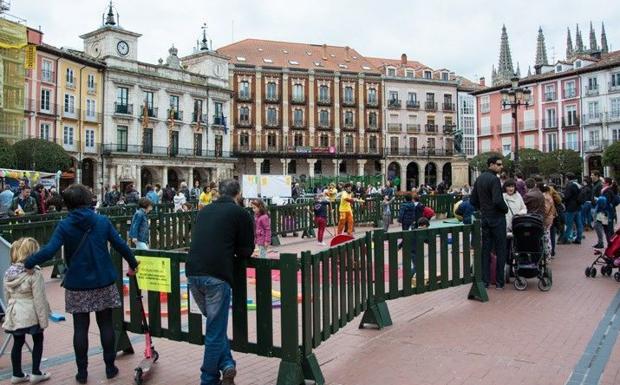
pixel 90 278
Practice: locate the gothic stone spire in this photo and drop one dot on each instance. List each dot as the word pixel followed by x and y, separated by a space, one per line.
pixel 593 44
pixel 569 44
pixel 541 50
pixel 505 71
pixel 604 47
pixel 578 41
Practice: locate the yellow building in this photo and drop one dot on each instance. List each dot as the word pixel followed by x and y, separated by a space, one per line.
pixel 79 93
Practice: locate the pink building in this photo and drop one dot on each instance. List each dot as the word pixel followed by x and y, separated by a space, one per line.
pixel 41 102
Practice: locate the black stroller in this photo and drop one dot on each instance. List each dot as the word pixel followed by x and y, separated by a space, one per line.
pixel 527 257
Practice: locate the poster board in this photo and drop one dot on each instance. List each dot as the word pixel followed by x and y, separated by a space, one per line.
pixel 267 186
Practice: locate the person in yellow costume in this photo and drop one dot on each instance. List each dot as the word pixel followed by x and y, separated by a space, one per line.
pixel 205 197
pixel 345 210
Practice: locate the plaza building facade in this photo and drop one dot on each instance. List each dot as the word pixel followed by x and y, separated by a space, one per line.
pixel 574 104
pixel 420 121
pixel 162 122
pixel 304 109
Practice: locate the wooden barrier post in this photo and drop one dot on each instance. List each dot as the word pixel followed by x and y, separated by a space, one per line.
pixel 310 365
pixel 290 371
pixel 377 312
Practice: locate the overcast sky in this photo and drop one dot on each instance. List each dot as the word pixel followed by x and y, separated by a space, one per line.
pixel 463 36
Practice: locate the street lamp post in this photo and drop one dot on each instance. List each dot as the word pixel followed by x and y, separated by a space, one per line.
pixel 514 97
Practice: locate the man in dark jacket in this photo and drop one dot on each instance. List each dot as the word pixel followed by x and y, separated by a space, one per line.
pixel 406 214
pixel 597 184
pixel 223 231
pixel 573 209
pixel 487 197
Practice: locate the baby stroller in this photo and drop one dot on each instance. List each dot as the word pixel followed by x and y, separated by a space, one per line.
pixel 609 259
pixel 527 259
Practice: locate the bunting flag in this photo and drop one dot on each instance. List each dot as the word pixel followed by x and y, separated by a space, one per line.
pixel 171 118
pixel 198 114
pixel 145 115
pixel 224 124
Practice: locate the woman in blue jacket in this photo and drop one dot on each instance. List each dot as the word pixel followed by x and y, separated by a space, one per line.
pixel 90 280
pixel 139 230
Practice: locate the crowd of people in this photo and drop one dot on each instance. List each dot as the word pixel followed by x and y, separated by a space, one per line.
pixel 27 200
pixel 565 212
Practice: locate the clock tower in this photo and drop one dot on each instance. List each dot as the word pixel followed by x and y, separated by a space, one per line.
pixel 111 39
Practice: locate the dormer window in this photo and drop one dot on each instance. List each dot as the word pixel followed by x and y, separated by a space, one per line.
pixel 293 62
pixel 578 64
pixel 428 75
pixel 445 76
pixel 558 68
pixel 391 72
pixel 344 66
pixel 269 61
pixel 409 73
pixel 240 58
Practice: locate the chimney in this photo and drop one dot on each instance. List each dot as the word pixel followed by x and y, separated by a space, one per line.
pixel 403 59
pixel 482 83
pixel 324 51
pixel 346 54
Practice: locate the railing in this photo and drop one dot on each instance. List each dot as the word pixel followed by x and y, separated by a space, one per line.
pixel 404 151
pixel 93 117
pixel 372 126
pixel 613 87
pixel 395 128
pixel 594 118
pixel 70 85
pixel 272 98
pixel 550 96
pixel 413 128
pixel 123 108
pixel 244 96
pixel 372 102
pixel 298 124
pixel 92 88
pixel 431 128
pixel 528 125
pixel 394 103
pixel 596 145
pixel 175 114
pixel 324 101
pixel 162 151
pixel 592 91
pixel 349 102
pixel 550 123
pixel 219 120
pixel 574 122
pixel 298 100
pixel 48 76
pixel 72 114
pixel 449 129
pixel 413 104
pixel 272 123
pixel 319 293
pixel 613 116
pixel 449 107
pixel 430 106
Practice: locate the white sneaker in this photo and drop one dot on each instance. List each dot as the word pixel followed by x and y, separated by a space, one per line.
pixel 36 378
pixel 19 380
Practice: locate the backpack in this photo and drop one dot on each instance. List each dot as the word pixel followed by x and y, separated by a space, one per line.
pixel 428 212
pixel 584 195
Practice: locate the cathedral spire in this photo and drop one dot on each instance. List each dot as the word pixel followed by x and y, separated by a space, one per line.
pixel 604 47
pixel 593 44
pixel 541 50
pixel 569 44
pixel 529 71
pixel 505 71
pixel 518 73
pixel 578 41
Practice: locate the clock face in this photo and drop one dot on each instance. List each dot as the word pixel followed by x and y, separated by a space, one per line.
pixel 96 49
pixel 122 47
pixel 218 70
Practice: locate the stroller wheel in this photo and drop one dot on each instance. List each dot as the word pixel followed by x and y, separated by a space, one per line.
pixel 520 283
pixel 544 284
pixel 138 377
pixel 617 276
pixel 593 272
pixel 588 269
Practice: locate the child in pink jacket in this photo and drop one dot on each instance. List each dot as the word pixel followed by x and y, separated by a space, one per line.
pixel 262 227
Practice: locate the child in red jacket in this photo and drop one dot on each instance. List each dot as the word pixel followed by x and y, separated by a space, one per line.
pixel 262 227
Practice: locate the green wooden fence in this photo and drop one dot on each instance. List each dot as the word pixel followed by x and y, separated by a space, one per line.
pixel 336 286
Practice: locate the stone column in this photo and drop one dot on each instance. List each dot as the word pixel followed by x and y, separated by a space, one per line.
pixel 190 180
pixel 138 185
pixel 258 97
pixel 360 166
pixel 112 176
pixel 403 177
pixel 258 162
pixel 164 177
pixel 311 163
pixel 285 101
pixel 421 172
pixel 336 166
pixel 285 163
pixel 439 172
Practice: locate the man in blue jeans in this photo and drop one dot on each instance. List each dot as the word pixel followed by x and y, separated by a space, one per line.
pixel 573 209
pixel 488 198
pixel 223 232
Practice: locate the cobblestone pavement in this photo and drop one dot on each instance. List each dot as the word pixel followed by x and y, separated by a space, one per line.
pixel 437 338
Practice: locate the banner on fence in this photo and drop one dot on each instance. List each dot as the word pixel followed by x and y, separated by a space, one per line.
pixel 266 186
pixel 154 274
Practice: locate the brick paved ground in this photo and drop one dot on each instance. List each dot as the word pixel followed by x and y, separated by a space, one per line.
pixel 437 338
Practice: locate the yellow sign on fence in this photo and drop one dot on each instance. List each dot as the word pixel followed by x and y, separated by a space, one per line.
pixel 154 274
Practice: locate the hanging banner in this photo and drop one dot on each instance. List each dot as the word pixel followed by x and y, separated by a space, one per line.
pixel 12 35
pixel 31 57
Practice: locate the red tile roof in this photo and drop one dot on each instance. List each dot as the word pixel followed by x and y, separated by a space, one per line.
pixel 269 53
